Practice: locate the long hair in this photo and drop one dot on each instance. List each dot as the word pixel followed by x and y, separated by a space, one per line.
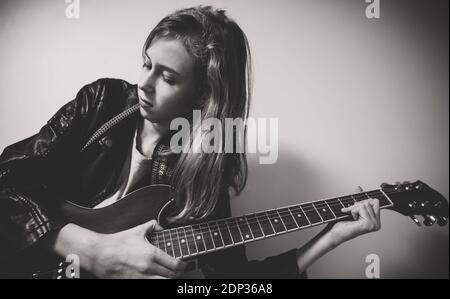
pixel 223 75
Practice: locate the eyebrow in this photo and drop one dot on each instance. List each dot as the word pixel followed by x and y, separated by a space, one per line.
pixel 165 67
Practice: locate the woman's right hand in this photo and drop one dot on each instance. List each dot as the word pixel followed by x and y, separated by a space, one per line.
pixel 127 254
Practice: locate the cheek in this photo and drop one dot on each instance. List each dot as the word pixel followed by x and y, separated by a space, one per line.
pixel 173 102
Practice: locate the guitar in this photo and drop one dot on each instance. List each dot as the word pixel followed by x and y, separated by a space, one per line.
pixel 190 241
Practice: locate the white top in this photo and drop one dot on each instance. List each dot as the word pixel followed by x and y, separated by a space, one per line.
pixel 133 170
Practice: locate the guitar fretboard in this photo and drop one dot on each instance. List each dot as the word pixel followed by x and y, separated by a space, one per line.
pixel 194 240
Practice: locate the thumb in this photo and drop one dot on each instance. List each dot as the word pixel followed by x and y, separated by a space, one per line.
pixel 147 227
pixel 359 189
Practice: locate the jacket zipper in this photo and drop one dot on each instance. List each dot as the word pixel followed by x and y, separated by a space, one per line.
pixel 109 124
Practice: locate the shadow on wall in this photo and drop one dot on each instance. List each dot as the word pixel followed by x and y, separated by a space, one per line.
pixel 405 250
pixel 426 250
pixel 287 182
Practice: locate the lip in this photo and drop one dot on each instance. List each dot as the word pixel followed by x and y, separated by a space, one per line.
pixel 147 103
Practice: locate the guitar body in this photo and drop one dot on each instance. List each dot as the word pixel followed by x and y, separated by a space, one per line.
pixel 138 207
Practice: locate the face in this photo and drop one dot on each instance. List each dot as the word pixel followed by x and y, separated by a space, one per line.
pixel 166 85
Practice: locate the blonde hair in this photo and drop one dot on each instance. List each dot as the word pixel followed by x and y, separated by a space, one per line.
pixel 223 73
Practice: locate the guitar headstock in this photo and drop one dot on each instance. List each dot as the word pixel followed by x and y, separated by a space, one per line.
pixel 417 198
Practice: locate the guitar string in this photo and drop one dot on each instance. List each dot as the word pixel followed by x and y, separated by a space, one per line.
pixel 235 223
pixel 274 213
pixel 197 230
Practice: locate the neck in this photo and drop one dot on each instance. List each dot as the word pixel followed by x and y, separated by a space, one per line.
pixel 148 135
pixel 197 239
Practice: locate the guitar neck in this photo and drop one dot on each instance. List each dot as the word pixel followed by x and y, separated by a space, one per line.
pixel 198 239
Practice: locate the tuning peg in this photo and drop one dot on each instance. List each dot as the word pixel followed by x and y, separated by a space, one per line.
pixel 438 205
pixel 415 220
pixel 425 204
pixel 429 220
pixel 412 205
pixel 442 221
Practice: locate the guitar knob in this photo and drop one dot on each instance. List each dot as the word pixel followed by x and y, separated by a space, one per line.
pixel 412 205
pixel 429 220
pixel 416 221
pixel 442 221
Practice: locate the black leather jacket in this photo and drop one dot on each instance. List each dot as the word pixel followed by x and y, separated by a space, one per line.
pixel 77 156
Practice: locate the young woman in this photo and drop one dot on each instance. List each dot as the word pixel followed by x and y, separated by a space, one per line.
pixel 114 137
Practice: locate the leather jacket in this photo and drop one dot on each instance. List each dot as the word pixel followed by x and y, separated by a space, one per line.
pixel 77 156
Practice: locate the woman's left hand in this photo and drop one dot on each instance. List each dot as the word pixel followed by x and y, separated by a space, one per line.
pixel 366 215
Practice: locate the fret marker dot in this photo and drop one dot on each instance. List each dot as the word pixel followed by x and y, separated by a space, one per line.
pixel 299 215
pixel 240 219
pixel 198 237
pixel 215 233
pixel 168 244
pixel 275 220
pixel 182 241
pixel 324 210
pixel 247 236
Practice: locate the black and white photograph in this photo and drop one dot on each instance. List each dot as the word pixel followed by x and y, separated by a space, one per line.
pixel 224 144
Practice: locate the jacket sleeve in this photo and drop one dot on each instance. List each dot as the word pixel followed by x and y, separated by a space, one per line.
pixel 31 168
pixel 233 262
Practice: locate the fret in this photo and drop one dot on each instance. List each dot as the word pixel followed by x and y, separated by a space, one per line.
pixel 198 238
pixel 225 232
pixel 275 220
pixel 311 212
pixel 183 242
pixel 175 243
pixel 191 240
pixel 217 238
pixel 234 230
pixel 360 196
pixel 287 218
pixel 299 216
pixel 255 227
pixel 266 227
pixel 347 201
pixel 336 207
pixel 168 242
pixel 384 200
pixel 334 215
pixel 207 236
pixel 245 229
pixel 323 210
pixel 158 241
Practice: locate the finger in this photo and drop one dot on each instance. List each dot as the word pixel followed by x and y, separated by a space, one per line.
pixel 160 270
pixel 364 213
pixel 349 208
pixel 368 206
pixel 376 208
pixel 169 262
pixel 158 227
pixel 355 212
pixel 157 277
pixel 147 227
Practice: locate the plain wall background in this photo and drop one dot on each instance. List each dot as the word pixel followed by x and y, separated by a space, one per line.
pixel 360 101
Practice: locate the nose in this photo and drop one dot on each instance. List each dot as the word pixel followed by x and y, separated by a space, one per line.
pixel 147 81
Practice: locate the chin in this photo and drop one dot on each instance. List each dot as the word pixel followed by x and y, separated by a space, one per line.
pixel 148 115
